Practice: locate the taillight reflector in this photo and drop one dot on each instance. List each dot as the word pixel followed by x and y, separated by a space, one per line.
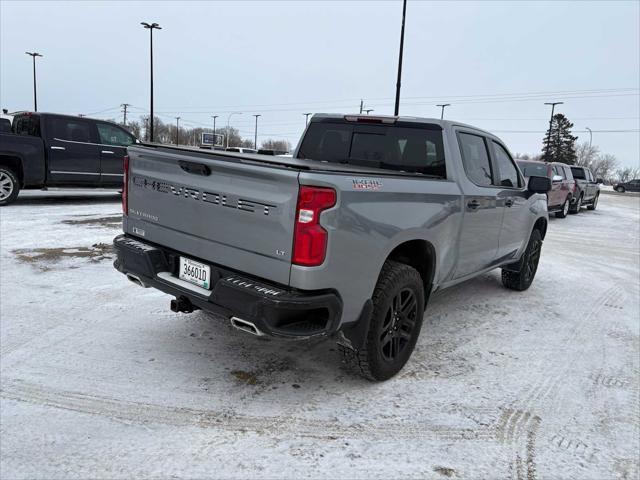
pixel 125 185
pixel 309 238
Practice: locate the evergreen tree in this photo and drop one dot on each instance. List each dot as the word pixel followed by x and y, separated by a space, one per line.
pixel 559 144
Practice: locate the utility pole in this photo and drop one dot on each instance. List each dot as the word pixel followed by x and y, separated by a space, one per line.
pixel 151 27
pixel 255 138
pixel 590 137
pixel 124 110
pixel 177 130
pixel 553 106
pixel 443 105
pixel 367 110
pixel 361 106
pixel 214 126
pixel 306 118
pixel 35 96
pixel 404 13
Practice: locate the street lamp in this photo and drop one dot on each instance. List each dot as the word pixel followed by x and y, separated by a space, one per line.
pixel 590 136
pixel 367 110
pixel 306 118
pixel 151 27
pixel 35 97
pixel 553 106
pixel 255 138
pixel 228 121
pixel 177 130
pixel 443 105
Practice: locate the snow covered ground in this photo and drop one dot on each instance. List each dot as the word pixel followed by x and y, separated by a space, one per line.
pixel 100 380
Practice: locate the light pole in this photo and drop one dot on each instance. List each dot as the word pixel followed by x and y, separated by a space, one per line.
pixel 404 12
pixel 214 126
pixel 368 110
pixel 151 27
pixel 228 122
pixel 255 138
pixel 35 96
pixel 590 137
pixel 177 130
pixel 442 105
pixel 553 106
pixel 306 118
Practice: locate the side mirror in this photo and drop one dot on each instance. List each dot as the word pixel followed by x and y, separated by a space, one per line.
pixel 557 178
pixel 539 184
pixel 599 180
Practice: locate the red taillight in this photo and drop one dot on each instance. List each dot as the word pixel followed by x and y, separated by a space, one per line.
pixel 125 185
pixel 309 238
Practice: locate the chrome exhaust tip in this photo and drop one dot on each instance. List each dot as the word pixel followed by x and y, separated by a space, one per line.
pixel 135 279
pixel 245 326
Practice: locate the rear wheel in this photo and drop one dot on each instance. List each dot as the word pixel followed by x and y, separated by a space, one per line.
pixel 521 277
pixel 575 208
pixel 9 186
pixel 398 306
pixel 594 204
pixel 565 209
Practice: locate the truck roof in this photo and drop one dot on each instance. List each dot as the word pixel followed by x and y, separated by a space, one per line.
pixel 401 118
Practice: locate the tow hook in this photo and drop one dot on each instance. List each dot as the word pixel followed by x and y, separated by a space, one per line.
pixel 182 304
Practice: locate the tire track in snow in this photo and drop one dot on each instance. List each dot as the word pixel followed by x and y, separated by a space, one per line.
pixel 518 422
pixel 145 413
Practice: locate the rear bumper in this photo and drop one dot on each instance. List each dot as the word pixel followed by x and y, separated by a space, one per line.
pixel 275 310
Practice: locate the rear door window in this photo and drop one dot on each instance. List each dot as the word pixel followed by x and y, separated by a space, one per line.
pixel 71 129
pixel 475 158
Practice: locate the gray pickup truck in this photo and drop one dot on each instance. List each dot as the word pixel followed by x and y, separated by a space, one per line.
pixel 348 238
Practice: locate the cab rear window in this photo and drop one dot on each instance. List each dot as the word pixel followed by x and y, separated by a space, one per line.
pixel 389 147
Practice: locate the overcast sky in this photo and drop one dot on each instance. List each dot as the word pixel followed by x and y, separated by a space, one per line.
pixel 496 63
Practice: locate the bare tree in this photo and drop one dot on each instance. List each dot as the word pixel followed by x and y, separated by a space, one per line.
pixel 276 145
pixel 627 173
pixel 586 154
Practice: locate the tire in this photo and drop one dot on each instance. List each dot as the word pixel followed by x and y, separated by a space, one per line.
pixel 396 320
pixel 565 209
pixel 521 278
pixel 620 189
pixel 9 186
pixel 594 204
pixel 575 208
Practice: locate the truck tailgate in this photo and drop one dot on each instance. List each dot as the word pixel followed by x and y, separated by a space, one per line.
pixel 214 208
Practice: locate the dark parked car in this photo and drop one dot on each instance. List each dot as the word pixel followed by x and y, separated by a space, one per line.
pixel 51 150
pixel 630 186
pixel 587 191
pixel 563 186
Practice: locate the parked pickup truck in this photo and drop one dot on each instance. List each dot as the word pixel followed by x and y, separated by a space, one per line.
pixel 348 238
pixel 51 150
pixel 587 189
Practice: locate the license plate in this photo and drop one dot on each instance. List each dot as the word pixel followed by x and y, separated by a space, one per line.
pixel 195 272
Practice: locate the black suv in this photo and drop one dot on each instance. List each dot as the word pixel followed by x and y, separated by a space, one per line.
pixel 630 186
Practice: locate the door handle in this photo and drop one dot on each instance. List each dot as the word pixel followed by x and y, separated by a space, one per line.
pixel 473 204
pixel 58 148
pixel 508 202
pixel 107 151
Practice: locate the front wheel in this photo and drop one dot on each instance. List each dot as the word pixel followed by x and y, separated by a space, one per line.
pixel 594 204
pixel 9 186
pixel 521 277
pixel 620 189
pixel 398 306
